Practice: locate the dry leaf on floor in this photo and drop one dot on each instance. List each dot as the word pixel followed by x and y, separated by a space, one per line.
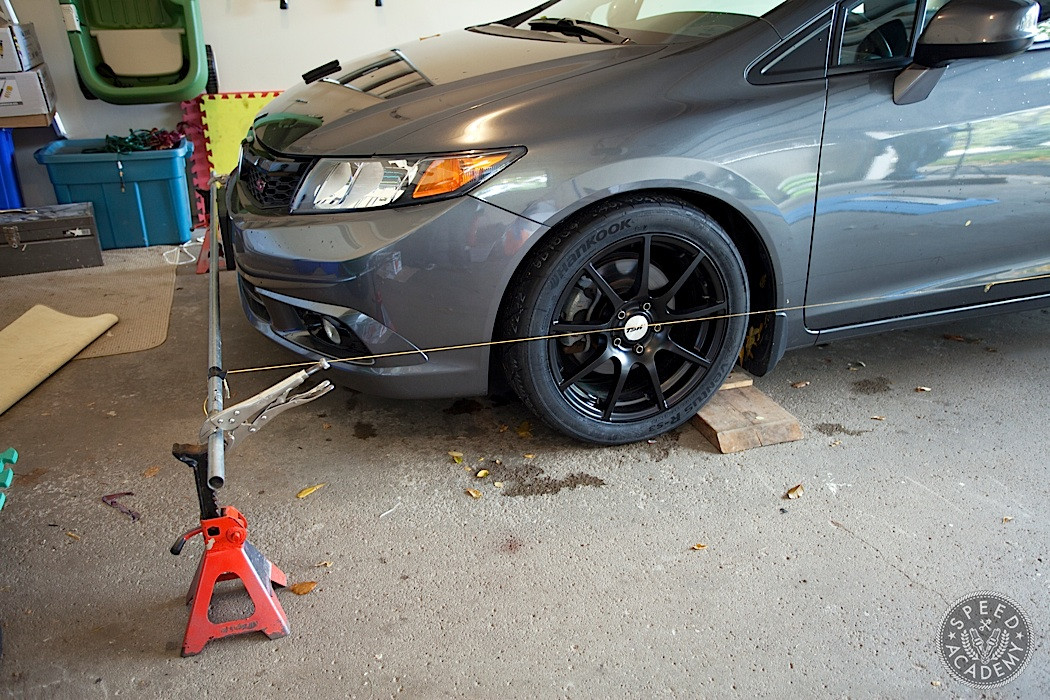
pixel 497 461
pixel 878 417
pixel 1007 518
pixel 474 493
pixel 799 385
pixel 699 545
pixel 529 455
pixel 498 484
pixel 835 443
pixel 151 472
pixel 525 429
pixel 482 473
pixel 503 428
pixel 326 426
pixel 935 684
pixel 308 490
pixel 795 491
pixel 303 587
pixel 457 457
pixel 73 535
pixel 325 564
pixel 854 366
pixel 922 389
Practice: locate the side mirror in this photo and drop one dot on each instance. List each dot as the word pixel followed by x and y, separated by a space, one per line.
pixel 966 29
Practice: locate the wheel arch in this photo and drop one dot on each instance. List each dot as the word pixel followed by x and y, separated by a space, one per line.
pixel 761 346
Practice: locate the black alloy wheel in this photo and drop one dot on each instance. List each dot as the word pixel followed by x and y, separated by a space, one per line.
pixel 638 312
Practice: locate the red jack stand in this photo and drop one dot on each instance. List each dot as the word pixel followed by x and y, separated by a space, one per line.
pixel 227 555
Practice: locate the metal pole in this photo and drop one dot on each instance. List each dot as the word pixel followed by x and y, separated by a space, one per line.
pixel 216 445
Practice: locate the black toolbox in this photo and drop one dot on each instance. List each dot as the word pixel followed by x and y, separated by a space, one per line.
pixel 44 239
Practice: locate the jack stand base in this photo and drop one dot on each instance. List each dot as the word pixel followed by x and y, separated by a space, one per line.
pixel 228 555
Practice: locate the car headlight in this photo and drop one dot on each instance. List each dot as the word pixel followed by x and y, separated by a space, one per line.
pixel 337 184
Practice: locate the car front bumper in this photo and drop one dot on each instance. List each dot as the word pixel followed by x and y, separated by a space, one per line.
pixel 400 285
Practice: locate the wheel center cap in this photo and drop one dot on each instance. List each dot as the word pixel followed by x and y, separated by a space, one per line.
pixel 636 328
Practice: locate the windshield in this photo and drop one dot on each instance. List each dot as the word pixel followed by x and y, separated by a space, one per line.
pixel 657 20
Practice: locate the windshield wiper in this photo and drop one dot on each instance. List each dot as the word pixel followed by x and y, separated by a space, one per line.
pixel 580 28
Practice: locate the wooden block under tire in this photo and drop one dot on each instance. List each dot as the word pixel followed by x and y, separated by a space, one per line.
pixel 737 378
pixel 739 419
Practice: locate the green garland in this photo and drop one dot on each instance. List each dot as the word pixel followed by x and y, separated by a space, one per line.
pixel 140 140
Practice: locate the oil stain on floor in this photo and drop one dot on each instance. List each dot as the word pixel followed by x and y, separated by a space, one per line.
pixel 528 480
pixel 363 431
pixel 876 385
pixel 837 429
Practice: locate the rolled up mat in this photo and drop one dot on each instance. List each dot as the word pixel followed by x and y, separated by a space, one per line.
pixel 37 343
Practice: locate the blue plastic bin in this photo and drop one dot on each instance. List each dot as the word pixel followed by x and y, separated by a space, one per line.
pixel 10 194
pixel 140 198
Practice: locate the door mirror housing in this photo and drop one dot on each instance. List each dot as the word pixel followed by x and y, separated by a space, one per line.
pixel 966 29
pixel 977 29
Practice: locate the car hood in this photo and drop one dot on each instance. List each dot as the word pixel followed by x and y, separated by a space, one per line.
pixel 374 101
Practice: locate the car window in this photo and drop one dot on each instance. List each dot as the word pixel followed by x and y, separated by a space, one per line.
pixel 875 30
pixel 807 57
pixel 755 8
pixel 641 19
pixel 1043 28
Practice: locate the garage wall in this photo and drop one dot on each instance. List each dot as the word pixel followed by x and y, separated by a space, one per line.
pixel 257 47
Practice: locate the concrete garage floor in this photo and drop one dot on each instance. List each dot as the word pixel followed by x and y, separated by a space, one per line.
pixel 577 579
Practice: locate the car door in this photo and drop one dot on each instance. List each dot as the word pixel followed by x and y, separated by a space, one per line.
pixel 932 205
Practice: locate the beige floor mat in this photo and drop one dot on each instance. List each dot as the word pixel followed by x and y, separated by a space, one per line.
pixel 38 343
pixel 135 284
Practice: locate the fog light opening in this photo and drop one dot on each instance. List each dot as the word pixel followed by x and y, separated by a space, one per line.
pixel 331 331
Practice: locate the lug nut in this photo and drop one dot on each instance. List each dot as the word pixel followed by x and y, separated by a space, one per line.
pixel 617 342
pixel 646 306
pixel 639 349
pixel 656 328
pixel 622 315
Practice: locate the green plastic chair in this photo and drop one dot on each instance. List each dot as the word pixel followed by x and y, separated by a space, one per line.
pixel 139 51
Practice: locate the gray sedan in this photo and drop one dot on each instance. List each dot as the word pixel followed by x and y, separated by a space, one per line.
pixel 608 204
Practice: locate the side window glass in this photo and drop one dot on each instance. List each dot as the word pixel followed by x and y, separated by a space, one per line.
pixel 810 55
pixel 875 30
pixel 1043 27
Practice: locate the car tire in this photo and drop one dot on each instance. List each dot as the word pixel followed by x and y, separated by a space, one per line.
pixel 621 351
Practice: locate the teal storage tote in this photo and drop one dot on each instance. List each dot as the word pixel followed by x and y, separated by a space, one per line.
pixel 140 198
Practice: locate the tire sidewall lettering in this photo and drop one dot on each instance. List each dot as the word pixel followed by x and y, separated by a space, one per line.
pixel 569 264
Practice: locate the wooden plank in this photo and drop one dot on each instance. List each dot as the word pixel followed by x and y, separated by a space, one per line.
pixel 740 419
pixel 737 379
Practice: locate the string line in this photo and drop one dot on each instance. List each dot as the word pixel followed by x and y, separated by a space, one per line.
pixel 555 336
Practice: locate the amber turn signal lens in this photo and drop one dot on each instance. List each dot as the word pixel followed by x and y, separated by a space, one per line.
pixel 451 174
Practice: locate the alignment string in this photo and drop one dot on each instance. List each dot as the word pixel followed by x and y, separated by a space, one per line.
pixel 575 334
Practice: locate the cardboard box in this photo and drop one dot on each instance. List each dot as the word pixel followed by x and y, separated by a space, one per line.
pixel 19 48
pixel 60 237
pixel 23 94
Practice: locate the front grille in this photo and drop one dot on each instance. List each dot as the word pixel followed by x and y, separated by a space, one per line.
pixel 271 183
